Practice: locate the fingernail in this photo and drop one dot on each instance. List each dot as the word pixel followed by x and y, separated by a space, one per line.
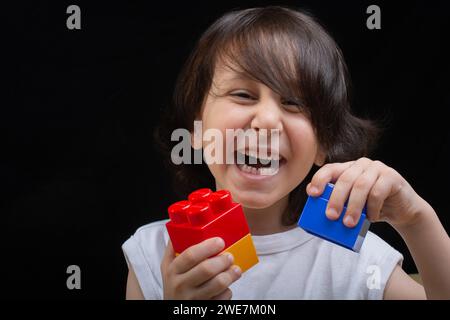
pixel 348 220
pixel 313 190
pixel 230 257
pixel 220 242
pixel 332 213
pixel 237 270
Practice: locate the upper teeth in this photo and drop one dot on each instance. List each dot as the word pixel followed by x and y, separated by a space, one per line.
pixel 262 158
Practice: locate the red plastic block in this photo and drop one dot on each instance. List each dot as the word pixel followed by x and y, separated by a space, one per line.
pixel 204 215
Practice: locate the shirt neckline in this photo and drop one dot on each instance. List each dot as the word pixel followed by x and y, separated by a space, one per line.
pixel 281 241
pixel 272 243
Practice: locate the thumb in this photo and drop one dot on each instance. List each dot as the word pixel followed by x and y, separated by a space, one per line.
pixel 169 255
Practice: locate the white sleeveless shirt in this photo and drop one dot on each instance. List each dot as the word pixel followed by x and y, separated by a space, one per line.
pixel 292 265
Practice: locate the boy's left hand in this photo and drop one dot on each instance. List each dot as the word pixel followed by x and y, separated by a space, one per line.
pixel 388 195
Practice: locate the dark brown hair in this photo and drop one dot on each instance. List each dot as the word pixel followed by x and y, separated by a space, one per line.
pixel 291 53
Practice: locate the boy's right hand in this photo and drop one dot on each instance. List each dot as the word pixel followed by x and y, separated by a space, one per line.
pixel 193 275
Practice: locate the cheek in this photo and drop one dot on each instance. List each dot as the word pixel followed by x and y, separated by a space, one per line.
pixel 302 141
pixel 222 115
pixel 217 117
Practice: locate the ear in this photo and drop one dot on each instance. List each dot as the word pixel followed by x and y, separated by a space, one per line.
pixel 321 155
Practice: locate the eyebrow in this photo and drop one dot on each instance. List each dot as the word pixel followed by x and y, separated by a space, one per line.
pixel 236 77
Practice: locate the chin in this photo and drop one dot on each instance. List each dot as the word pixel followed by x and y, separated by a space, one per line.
pixel 254 200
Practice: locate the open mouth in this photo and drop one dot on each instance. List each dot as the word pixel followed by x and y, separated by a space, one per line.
pixel 252 163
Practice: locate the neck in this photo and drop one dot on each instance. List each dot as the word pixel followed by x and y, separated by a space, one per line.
pixel 268 220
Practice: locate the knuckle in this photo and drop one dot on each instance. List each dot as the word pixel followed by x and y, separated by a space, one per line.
pixel 189 256
pixel 364 160
pixel 361 183
pixel 207 269
pixel 346 178
pixel 375 194
pixel 391 171
pixel 223 280
pixel 325 170
pixel 378 163
pixel 320 175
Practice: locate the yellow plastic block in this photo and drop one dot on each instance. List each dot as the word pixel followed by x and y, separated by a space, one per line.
pixel 244 253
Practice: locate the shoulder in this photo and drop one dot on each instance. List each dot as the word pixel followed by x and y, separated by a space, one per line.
pixel 377 251
pixel 380 260
pixel 143 252
pixel 345 274
pixel 154 232
pixel 370 269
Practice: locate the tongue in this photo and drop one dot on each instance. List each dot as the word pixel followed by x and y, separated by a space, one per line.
pixel 256 165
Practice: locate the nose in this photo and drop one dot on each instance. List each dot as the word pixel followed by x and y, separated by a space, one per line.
pixel 267 115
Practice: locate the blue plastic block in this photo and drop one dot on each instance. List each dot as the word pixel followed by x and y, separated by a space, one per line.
pixel 314 220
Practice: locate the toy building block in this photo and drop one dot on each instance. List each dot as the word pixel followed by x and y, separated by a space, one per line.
pixel 314 220
pixel 208 214
pixel 243 252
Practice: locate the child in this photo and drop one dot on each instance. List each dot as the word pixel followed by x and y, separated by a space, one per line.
pixel 277 68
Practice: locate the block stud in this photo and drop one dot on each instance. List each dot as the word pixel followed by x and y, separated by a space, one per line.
pixel 200 195
pixel 220 201
pixel 177 211
pixel 198 213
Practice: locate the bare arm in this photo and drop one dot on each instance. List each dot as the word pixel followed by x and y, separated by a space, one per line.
pixel 390 198
pixel 402 287
pixel 134 291
pixel 429 245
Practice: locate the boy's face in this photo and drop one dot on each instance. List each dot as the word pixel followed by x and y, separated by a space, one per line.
pixel 236 102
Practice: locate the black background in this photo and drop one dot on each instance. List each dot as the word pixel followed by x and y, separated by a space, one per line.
pixel 78 169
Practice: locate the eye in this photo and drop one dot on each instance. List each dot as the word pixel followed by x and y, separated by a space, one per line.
pixel 242 95
pixel 291 105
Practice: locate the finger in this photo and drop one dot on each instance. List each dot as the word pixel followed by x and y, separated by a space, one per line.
pixel 197 253
pixel 226 295
pixel 220 282
pixel 377 195
pixel 169 256
pixel 328 173
pixel 359 194
pixel 208 269
pixel 343 186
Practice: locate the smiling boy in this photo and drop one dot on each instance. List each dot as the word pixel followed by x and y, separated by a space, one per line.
pixel 277 69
